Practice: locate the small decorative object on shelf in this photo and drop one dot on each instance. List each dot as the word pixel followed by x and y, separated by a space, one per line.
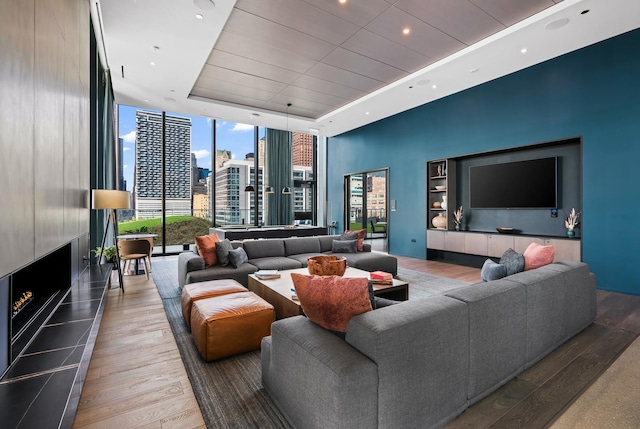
pixel 457 218
pixel 443 204
pixel 572 222
pixel 439 170
pixel 439 221
pixel 436 204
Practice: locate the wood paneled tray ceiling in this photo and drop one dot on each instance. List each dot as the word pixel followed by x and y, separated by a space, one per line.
pixel 326 58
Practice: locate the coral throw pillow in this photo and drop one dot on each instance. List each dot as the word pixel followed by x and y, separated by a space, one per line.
pixel 206 247
pixel 362 233
pixel 538 255
pixel 331 301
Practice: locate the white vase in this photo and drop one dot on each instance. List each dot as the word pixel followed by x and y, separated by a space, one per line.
pixel 443 205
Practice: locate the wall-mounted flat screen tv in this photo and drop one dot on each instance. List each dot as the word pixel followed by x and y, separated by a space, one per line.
pixel 515 185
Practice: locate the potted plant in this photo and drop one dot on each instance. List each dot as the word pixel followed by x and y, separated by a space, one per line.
pixel 109 253
pixel 572 222
pixel 457 218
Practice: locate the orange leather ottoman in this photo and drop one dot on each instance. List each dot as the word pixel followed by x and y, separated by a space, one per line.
pixel 230 324
pixel 196 291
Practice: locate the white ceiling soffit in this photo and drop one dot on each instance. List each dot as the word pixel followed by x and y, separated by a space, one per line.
pixel 340 66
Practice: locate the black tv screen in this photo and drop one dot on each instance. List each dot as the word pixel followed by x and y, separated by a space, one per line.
pixel 515 185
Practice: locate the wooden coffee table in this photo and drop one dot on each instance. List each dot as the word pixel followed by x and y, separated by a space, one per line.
pixel 278 292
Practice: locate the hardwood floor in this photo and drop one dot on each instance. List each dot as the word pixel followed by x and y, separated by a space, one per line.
pixel 136 377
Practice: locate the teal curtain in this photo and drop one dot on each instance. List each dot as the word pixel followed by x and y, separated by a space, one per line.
pixel 279 174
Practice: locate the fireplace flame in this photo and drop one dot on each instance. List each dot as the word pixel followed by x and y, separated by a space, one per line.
pixel 20 303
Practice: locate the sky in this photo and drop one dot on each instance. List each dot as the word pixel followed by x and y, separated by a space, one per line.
pixel 238 138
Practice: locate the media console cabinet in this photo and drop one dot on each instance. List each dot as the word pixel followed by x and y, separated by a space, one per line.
pixel 493 245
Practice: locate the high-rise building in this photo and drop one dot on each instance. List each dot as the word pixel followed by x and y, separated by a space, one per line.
pixel 234 206
pixel 222 156
pixel 302 147
pixel 177 169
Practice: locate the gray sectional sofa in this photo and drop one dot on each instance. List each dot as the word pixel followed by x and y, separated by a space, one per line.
pixel 279 254
pixel 420 363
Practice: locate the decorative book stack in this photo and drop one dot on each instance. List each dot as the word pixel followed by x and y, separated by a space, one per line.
pixel 267 274
pixel 381 277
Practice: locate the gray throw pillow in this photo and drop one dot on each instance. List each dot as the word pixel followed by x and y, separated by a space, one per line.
pixel 512 261
pixel 238 257
pixel 222 251
pixel 349 236
pixel 344 246
pixel 492 271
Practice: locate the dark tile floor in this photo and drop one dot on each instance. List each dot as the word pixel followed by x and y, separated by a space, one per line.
pixel 42 383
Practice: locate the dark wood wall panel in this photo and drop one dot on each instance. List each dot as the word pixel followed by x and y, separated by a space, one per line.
pixel 16 134
pixel 44 127
pixel 48 131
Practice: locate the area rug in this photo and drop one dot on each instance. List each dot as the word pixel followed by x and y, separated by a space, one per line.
pixel 229 391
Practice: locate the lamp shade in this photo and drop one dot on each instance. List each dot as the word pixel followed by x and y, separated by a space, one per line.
pixel 249 188
pixel 109 199
pixel 286 190
pixel 268 190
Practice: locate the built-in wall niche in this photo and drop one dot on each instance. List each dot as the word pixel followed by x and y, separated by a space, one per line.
pixel 34 290
pixel 525 221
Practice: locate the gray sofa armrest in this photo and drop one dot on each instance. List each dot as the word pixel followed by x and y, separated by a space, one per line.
pixel 187 262
pixel 316 379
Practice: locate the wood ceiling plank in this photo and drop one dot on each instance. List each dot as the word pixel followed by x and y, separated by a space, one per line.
pixel 386 51
pixel 228 97
pixel 302 17
pixel 460 19
pixel 509 12
pixel 239 78
pixel 259 51
pixel 326 87
pixel 356 63
pixel 344 77
pixel 251 67
pixel 423 38
pixel 359 13
pixel 277 35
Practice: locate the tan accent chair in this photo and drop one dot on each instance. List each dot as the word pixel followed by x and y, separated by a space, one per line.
pixel 134 250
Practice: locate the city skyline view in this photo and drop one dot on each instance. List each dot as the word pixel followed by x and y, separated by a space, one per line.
pixel 234 137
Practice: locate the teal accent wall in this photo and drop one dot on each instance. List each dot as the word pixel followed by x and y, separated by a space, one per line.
pixel 593 93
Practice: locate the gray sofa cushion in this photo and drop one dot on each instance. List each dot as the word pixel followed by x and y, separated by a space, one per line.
pixel 304 257
pixel 429 340
pixel 264 248
pixel 316 379
pixel 496 327
pixel 275 263
pixel 326 241
pixel 296 246
pixel 216 272
pixel 187 262
pixel 369 261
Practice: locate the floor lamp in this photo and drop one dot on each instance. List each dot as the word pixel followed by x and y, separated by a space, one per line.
pixel 112 200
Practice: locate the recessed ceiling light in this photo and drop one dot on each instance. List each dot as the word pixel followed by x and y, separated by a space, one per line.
pixel 523 50
pixel 474 70
pixel 146 101
pixel 152 63
pixel 169 99
pixel 434 86
pixel 584 12
pixel 204 4
pixel 406 31
pixel 254 115
pixel 156 48
pixel 342 1
pixel 199 16
pixel 558 23
pixel 422 82
pixel 366 113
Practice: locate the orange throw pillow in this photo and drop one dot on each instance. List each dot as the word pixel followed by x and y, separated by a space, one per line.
pixel 538 255
pixel 206 247
pixel 331 301
pixel 362 233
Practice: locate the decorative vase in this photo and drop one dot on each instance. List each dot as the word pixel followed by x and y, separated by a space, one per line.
pixel 457 227
pixel 443 204
pixel 570 233
pixel 329 265
pixel 439 221
pixel 436 204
